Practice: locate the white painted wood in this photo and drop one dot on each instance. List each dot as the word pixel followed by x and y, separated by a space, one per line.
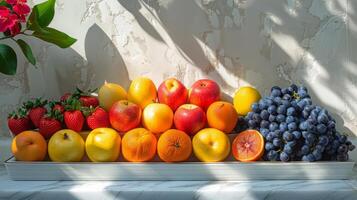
pixel 182 171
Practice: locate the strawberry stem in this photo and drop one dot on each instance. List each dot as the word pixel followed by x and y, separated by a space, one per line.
pixel 38 102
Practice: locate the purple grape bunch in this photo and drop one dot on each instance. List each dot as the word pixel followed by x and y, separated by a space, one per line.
pixel 294 129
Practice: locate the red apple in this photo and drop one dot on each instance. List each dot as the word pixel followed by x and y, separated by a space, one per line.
pixel 124 115
pixel 204 92
pixel 189 118
pixel 173 93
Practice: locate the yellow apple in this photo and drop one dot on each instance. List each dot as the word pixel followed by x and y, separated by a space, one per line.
pixel 157 117
pixel 142 91
pixel 110 93
pixel 103 145
pixel 211 145
pixel 66 146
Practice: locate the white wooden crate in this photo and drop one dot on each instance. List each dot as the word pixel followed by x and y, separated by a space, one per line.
pixel 222 171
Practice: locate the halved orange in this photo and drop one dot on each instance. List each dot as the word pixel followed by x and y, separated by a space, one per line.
pixel 248 146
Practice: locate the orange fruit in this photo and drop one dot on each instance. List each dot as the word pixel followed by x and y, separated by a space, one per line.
pixel 222 116
pixel 174 146
pixel 157 117
pixel 29 146
pixel 248 146
pixel 139 145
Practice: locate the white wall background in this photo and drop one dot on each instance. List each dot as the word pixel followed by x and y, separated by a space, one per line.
pixel 235 42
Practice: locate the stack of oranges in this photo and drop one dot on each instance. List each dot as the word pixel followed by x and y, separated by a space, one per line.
pixel 170 121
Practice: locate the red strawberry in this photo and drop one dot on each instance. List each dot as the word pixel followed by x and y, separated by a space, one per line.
pixel 56 106
pixel 73 117
pixel 65 97
pixel 86 98
pixel 50 124
pixel 88 101
pixel 97 118
pixel 74 120
pixel 19 122
pixel 36 110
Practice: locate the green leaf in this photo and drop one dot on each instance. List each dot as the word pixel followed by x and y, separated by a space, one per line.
pixel 42 14
pixel 54 36
pixel 8 60
pixel 26 49
pixel 3 3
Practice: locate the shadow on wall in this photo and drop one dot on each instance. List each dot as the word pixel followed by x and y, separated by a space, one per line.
pixel 103 63
pixel 296 43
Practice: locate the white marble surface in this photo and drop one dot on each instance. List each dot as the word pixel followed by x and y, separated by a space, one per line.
pixel 156 190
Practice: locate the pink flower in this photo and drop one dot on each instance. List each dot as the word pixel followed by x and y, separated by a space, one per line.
pixel 15 29
pixel 7 19
pixel 12 2
pixel 22 9
pixel 19 6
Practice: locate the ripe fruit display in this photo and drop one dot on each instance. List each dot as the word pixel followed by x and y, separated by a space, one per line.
pixel 103 145
pixel 244 98
pixel 189 118
pixel 139 145
pixel 294 129
pixel 29 146
pixel 222 116
pixel 248 146
pixel 173 93
pixel 142 91
pixel 19 121
pixel 211 145
pixel 36 110
pixel 174 146
pixel 66 146
pixel 157 117
pixel 125 115
pixel 174 123
pixel 204 92
pixel 110 93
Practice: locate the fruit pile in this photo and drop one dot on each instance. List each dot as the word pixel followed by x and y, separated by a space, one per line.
pixel 175 124
pixel 294 129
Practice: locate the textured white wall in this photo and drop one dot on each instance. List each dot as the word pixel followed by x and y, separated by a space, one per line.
pixel 235 42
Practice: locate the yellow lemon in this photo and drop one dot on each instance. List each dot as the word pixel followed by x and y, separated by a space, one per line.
pixel 142 91
pixel 211 145
pixel 110 93
pixel 244 98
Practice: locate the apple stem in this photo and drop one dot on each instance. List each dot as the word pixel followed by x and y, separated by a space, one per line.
pixel 65 136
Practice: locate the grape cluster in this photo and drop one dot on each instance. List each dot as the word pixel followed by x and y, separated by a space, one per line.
pixel 296 130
